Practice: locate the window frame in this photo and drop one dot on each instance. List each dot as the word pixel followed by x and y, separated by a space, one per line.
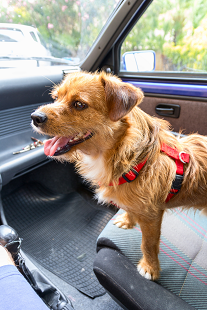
pixel 158 75
pixel 103 47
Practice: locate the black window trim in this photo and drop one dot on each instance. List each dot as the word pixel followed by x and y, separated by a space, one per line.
pixel 111 33
pixel 132 23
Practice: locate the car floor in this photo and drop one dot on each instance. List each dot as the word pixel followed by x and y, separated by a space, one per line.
pixel 59 222
pixel 79 300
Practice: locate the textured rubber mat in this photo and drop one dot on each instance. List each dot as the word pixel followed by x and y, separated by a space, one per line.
pixel 59 231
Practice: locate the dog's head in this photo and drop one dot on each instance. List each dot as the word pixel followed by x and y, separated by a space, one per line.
pixel 87 108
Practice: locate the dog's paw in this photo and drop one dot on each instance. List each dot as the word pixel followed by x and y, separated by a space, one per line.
pixel 124 221
pixel 147 271
pixel 143 273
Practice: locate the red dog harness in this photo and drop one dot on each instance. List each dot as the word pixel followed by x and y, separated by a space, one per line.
pixel 180 159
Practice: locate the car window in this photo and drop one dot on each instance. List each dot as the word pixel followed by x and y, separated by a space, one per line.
pixel 67 28
pixel 33 36
pixel 11 35
pixel 171 36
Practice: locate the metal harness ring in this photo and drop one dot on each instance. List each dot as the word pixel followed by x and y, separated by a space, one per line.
pixel 181 158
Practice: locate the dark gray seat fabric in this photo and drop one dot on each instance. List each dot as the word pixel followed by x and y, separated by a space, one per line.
pixel 183 252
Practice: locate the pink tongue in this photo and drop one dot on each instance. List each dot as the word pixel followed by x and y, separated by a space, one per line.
pixel 53 144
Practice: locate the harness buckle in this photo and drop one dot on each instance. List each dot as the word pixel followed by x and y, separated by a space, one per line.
pixel 177 182
pixel 126 178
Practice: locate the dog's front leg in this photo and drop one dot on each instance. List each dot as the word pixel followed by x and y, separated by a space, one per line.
pixel 149 266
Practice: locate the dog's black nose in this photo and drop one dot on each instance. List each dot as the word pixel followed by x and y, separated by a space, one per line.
pixel 38 118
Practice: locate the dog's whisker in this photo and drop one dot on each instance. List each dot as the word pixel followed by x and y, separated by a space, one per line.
pixel 45 90
pixel 54 84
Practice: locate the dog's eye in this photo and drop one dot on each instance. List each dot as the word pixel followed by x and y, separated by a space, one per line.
pixel 79 105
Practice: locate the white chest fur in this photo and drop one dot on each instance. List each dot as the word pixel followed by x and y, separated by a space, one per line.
pixel 93 168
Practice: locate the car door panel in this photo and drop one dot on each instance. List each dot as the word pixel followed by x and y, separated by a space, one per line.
pixel 21 93
pixel 163 99
pixel 192 117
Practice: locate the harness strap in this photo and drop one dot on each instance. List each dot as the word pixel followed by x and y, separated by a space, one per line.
pixel 131 175
pixel 180 159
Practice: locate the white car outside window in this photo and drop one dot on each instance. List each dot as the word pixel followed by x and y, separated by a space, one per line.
pixel 20 41
pixel 69 31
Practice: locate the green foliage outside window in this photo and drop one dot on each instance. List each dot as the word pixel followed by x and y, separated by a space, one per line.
pixel 177 31
pixel 68 26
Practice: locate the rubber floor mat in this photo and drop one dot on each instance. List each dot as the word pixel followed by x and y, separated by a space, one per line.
pixel 59 232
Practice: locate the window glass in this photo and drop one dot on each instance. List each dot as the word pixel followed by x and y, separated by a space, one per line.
pixel 66 28
pixel 11 34
pixel 176 31
pixel 33 36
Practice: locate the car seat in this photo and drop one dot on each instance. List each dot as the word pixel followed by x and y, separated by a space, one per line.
pixel 183 250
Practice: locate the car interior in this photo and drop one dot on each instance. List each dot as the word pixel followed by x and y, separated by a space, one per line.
pixel 72 251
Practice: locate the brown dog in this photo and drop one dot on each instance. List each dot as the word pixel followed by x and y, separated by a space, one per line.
pixel 96 123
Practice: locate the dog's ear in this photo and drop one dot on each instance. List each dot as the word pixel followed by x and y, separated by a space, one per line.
pixel 120 97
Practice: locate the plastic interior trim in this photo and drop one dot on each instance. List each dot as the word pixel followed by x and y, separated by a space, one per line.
pixel 175 89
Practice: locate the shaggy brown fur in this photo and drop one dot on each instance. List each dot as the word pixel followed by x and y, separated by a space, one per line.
pixel 123 136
